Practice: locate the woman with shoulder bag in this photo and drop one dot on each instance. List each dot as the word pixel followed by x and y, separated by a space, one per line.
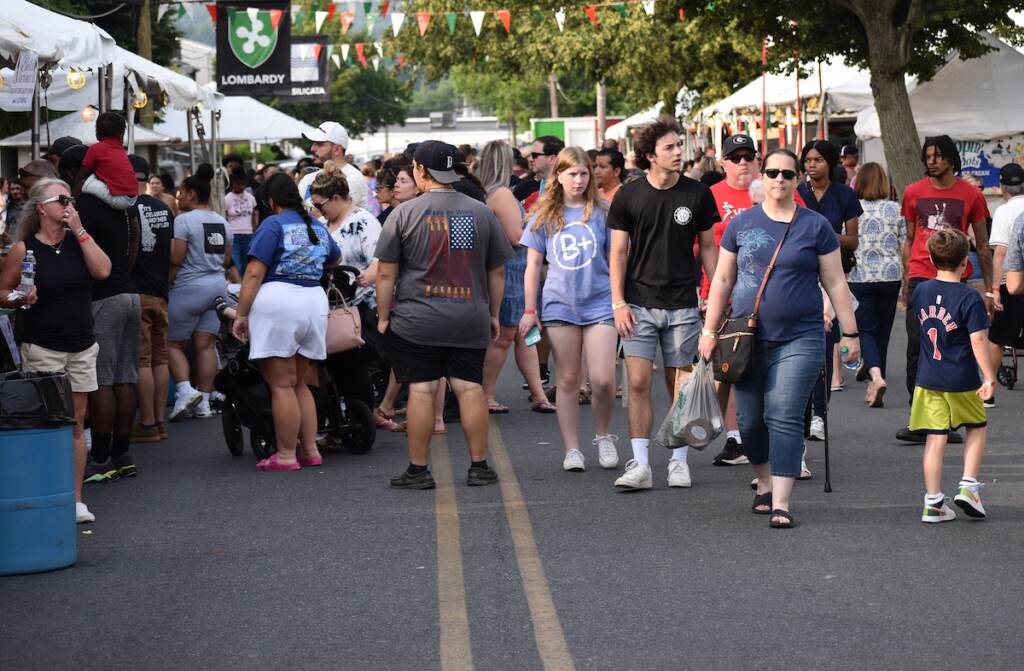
pixel 789 344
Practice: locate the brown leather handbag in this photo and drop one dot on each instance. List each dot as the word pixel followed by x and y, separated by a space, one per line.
pixel 344 326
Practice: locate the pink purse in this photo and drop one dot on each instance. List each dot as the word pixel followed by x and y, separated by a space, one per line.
pixel 344 326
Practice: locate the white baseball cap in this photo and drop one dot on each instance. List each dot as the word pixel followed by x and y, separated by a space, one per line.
pixel 329 131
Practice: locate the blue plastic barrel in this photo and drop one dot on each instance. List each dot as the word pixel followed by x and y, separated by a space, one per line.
pixel 37 501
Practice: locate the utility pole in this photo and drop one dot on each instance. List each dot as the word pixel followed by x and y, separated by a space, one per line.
pixel 553 94
pixel 602 113
pixel 144 42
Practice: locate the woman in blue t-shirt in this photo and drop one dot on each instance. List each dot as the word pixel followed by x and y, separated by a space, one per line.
pixel 790 342
pixel 282 312
pixel 568 229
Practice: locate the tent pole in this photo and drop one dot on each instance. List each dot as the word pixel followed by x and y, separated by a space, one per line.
pixel 35 120
pixel 191 142
pixel 102 90
pixel 822 112
pixel 129 113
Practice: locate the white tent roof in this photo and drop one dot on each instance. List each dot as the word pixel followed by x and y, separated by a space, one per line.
pixel 977 99
pixel 55 37
pixel 243 119
pixel 620 130
pixel 75 126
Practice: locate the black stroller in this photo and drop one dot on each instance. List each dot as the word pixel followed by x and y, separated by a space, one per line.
pixel 247 403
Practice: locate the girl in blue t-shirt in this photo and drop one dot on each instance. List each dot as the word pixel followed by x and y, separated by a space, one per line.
pixel 282 312
pixel 568 230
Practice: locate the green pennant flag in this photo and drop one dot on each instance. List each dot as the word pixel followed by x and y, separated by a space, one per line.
pixel 538 15
pixel 450 18
pixel 299 18
pixel 181 11
pixel 620 8
pixel 315 7
pixel 368 7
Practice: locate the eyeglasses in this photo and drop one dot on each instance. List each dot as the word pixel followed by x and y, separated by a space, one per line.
pixel 739 158
pixel 787 175
pixel 320 205
pixel 62 199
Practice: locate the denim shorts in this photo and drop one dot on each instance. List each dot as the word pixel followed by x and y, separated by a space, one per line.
pixel 676 331
pixel 514 301
pixel 555 323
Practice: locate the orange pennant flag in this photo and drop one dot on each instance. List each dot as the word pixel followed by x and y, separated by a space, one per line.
pixel 331 9
pixel 423 19
pixel 212 9
pixel 505 17
pixel 346 19
pixel 591 11
pixel 360 55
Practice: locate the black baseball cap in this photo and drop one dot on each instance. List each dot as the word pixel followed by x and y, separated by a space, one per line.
pixel 1011 174
pixel 72 157
pixel 62 143
pixel 140 166
pixel 439 158
pixel 849 150
pixel 738 141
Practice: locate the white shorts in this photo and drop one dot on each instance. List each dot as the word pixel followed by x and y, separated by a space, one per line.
pixel 286 320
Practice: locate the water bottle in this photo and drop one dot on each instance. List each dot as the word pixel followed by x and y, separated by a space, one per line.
pixel 28 275
pixel 843 350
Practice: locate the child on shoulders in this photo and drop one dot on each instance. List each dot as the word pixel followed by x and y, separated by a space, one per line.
pixel 108 173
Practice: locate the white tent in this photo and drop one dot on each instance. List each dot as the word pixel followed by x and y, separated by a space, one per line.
pixel 54 37
pixel 76 126
pixel 977 99
pixel 243 119
pixel 620 130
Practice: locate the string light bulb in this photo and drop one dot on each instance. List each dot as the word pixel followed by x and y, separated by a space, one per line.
pixel 89 113
pixel 1 82
pixel 76 79
pixel 140 100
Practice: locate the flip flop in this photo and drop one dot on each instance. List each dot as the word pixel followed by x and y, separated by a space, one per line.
pixel 399 427
pixel 497 409
pixel 318 460
pixel 838 387
pixel 272 464
pixel 382 420
pixel 544 407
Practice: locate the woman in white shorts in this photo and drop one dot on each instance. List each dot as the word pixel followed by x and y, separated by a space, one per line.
pixel 282 312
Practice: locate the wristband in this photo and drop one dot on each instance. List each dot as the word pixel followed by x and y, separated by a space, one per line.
pixel 989 294
pixel 619 304
pixel 529 311
pixel 851 335
pixel 82 239
pixel 81 232
pixel 709 333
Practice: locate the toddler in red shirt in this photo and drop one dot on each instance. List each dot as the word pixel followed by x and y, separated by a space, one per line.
pixel 109 175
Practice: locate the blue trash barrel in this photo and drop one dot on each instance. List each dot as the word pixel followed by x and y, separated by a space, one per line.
pixel 37 501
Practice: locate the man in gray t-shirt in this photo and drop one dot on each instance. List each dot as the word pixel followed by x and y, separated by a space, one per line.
pixel 1014 263
pixel 446 253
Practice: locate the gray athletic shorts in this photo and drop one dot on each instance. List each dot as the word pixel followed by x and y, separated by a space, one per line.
pixel 116 324
pixel 190 308
pixel 676 331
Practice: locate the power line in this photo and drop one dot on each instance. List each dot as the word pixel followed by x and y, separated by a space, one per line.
pixel 93 16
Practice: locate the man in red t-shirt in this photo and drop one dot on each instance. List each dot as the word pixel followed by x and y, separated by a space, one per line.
pixel 939 200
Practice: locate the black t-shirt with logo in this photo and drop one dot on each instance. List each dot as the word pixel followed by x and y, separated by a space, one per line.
pixel 112 231
pixel 156 225
pixel 662 225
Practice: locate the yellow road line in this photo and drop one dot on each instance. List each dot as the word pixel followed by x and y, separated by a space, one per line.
pixel 547 629
pixel 456 652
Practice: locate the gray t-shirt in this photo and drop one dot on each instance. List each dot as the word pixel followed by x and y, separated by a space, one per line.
pixel 444 244
pixel 1015 250
pixel 209 237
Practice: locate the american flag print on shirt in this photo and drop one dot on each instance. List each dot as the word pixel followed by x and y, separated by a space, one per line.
pixel 451 243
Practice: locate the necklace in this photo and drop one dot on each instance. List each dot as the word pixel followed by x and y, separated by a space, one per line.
pixel 55 247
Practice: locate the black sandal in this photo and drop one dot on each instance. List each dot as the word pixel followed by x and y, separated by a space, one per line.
pixel 788 524
pixel 762 500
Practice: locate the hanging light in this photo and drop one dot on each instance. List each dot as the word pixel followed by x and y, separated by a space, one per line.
pixel 1 82
pixel 89 113
pixel 140 100
pixel 76 79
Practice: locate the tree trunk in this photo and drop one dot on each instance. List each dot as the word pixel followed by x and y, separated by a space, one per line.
pixel 602 113
pixel 144 38
pixel 553 94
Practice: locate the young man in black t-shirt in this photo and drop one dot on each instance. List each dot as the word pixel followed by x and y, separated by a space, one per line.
pixel 655 222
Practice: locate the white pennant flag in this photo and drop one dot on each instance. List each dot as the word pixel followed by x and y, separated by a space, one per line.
pixel 189 8
pixel 344 51
pixel 321 16
pixel 254 13
pixel 560 19
pixel 379 46
pixel 161 10
pixel 376 62
pixel 337 60
pixel 397 19
pixel 295 10
pixel 478 21
pixel 649 7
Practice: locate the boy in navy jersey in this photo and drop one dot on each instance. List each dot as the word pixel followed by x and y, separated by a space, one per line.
pixel 949 394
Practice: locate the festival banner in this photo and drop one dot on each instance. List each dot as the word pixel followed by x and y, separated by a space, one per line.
pixel 309 71
pixel 254 47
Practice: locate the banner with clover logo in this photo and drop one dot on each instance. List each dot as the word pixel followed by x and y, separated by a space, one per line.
pixel 254 47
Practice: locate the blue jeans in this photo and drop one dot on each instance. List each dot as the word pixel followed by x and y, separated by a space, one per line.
pixel 875 314
pixel 770 408
pixel 240 251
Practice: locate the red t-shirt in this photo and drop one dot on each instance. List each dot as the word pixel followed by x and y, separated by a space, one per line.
pixel 930 209
pixel 108 160
pixel 730 202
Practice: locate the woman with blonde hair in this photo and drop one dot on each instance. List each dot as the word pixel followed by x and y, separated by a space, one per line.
pixel 567 228
pixel 494 170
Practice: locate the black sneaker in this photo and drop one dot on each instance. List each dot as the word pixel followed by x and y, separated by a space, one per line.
pixel 100 472
pixel 125 466
pixel 731 454
pixel 407 480
pixel 908 436
pixel 481 476
pixel 990 403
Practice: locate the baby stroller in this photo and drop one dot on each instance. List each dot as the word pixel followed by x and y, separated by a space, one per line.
pixel 247 401
pixel 377 367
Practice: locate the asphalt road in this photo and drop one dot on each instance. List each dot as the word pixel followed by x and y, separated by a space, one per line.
pixel 203 563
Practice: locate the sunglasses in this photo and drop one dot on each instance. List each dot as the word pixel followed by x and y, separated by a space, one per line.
pixel 739 158
pixel 62 199
pixel 538 154
pixel 320 205
pixel 787 175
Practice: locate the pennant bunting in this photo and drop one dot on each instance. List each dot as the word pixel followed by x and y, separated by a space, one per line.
pixel 317 48
pixel 384 7
pixel 478 20
pixel 344 52
pixel 401 61
pixel 591 11
pixel 346 19
pixel 367 8
pixel 321 16
pixel 330 50
pixel 275 17
pixel 161 10
pixel 682 14
pixel 315 6
pixel 376 62
pixel 560 19
pixel 620 7
pixel 182 11
pixel 537 15
pixel 360 55
pixel 337 60
pixel 331 9
pixel 649 7
pixel 397 19
pixel 379 47
pixel 505 17
pixel 212 9
pixel 296 10
pixel 371 22
pixel 450 19
pixel 423 19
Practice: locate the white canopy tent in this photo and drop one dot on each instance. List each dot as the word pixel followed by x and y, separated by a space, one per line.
pixel 620 130
pixel 54 37
pixel 242 119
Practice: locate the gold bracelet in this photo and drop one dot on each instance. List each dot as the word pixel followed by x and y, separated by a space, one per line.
pixel 619 304
pixel 709 333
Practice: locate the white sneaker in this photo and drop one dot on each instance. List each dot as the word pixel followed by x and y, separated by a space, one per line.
pixel 184 404
pixel 679 474
pixel 574 461
pixel 202 410
pixel 817 428
pixel 82 514
pixel 87 435
pixel 937 512
pixel 969 499
pixel 637 476
pixel 607 455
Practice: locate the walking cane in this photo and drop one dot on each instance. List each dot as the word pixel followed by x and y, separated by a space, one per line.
pixel 828 474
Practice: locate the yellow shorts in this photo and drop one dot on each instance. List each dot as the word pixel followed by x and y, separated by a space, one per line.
pixel 940 411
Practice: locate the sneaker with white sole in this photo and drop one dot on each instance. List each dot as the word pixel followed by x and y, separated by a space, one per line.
pixel 969 499
pixel 184 404
pixel 574 461
pixel 607 455
pixel 937 511
pixel 678 473
pixel 817 431
pixel 731 454
pixel 82 514
pixel 202 410
pixel 637 476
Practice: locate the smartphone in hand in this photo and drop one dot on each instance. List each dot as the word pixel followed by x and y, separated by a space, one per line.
pixel 532 337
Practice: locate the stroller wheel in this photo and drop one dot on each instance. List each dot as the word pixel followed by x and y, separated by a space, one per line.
pixel 262 446
pixel 232 430
pixel 1006 376
pixel 358 431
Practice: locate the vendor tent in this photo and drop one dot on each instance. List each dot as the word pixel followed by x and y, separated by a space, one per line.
pixel 77 126
pixel 242 119
pixel 621 130
pixel 54 37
